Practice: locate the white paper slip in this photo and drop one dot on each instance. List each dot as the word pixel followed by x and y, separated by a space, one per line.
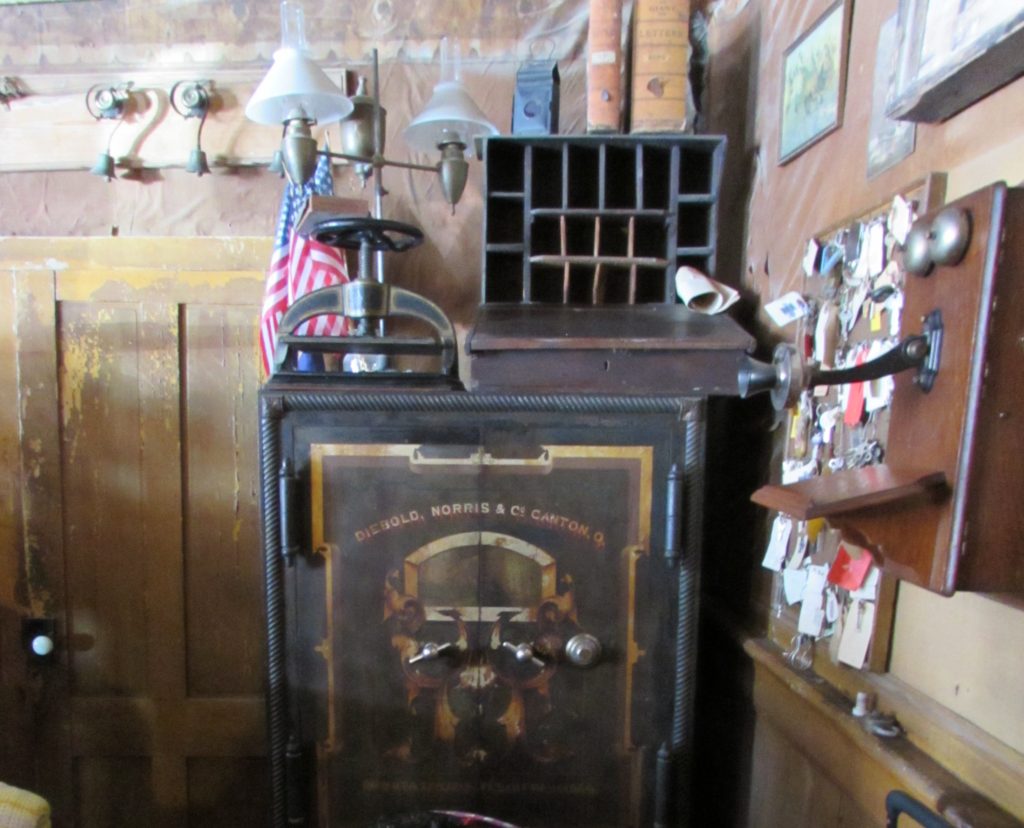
pixel 796 559
pixel 793 471
pixel 811 257
pixel 894 304
pixel 812 611
pixel 787 308
pixel 857 629
pixel 812 617
pixel 876 248
pixel 793 583
pixel 778 543
pixel 817 578
pixel 900 219
pixel 825 331
pixel 869 589
pixel 832 607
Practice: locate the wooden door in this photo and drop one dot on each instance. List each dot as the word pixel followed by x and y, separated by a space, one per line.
pixel 129 378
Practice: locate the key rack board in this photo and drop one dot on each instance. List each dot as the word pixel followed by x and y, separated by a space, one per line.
pixel 598 220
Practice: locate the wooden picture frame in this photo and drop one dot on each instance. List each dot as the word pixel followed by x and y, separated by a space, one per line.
pixel 814 82
pixel 953 53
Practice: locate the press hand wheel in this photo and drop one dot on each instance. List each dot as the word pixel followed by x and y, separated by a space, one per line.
pixel 352 232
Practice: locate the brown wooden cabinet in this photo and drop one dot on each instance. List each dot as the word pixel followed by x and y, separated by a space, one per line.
pixel 445 554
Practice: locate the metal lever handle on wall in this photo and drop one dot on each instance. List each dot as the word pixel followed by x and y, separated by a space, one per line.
pixel 788 375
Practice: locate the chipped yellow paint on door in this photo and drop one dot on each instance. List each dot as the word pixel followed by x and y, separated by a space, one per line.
pixel 128 450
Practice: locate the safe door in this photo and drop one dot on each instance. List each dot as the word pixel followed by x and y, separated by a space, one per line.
pixel 482 618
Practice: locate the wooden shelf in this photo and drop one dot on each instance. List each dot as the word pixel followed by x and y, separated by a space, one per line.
pixel 616 261
pixel 851 490
pixel 594 212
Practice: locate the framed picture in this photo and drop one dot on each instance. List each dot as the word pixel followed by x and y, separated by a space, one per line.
pixel 814 82
pixel 952 53
pixel 889 140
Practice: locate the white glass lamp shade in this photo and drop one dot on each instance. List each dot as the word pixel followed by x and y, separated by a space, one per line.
pixel 295 87
pixel 450 110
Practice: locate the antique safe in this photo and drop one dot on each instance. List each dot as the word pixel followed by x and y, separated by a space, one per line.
pixel 485 600
pixel 481 602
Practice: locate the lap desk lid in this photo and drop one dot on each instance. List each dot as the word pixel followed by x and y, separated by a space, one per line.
pixel 655 349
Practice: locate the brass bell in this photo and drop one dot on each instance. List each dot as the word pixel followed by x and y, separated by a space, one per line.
pixel 943 241
pixel 104 166
pixel 197 163
pixel 949 237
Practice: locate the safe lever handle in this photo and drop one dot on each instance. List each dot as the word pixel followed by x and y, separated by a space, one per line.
pixel 523 653
pixel 431 652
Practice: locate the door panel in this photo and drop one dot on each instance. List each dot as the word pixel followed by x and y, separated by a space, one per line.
pixel 40 553
pixel 137 531
pixel 95 778
pixel 227 792
pixel 478 548
pixel 222 571
pixel 119 438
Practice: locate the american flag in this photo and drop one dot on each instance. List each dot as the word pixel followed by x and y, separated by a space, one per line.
pixel 299 265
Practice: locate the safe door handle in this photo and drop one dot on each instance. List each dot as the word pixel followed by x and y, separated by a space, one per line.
pixel 524 653
pixel 431 652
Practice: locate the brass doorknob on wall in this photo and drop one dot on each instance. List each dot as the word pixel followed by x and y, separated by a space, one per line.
pixel 583 650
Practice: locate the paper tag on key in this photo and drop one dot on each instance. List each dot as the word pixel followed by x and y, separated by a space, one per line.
pixel 778 543
pixel 868 590
pixel 812 611
pixel 796 558
pixel 876 248
pixel 894 304
pixel 901 216
pixel 857 629
pixel 787 308
pixel 811 255
pixel 793 583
